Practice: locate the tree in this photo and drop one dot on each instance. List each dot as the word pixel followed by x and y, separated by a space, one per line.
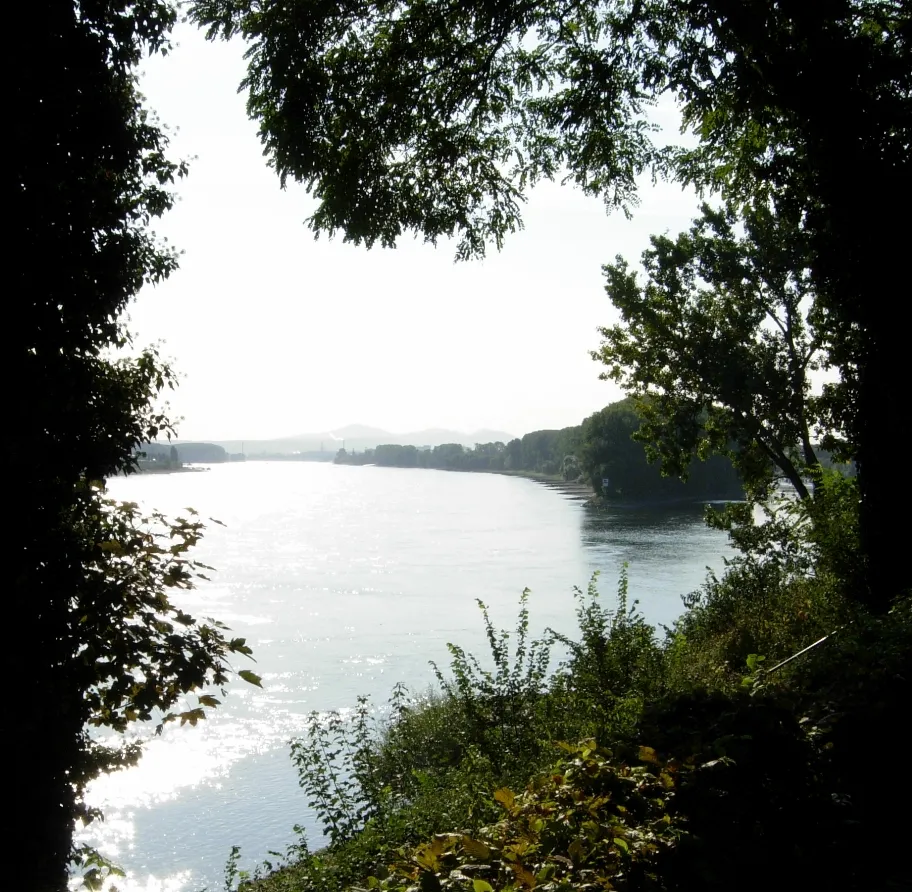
pixel 87 596
pixel 608 452
pixel 437 117
pixel 570 469
pixel 717 345
pixel 612 448
pixel 132 654
pixel 514 459
pixel 752 76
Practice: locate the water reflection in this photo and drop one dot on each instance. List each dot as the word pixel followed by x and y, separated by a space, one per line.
pixel 639 523
pixel 666 549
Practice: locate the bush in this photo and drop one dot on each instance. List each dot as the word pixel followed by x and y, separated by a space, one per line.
pixel 377 785
pixel 754 608
pixel 590 823
pixel 599 690
pixel 499 707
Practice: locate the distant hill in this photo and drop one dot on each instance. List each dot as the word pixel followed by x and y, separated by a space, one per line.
pixel 359 437
pixel 360 431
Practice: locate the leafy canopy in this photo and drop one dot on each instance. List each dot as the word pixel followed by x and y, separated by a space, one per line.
pixel 435 117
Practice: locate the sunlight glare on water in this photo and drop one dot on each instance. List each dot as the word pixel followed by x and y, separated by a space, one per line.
pixel 346 580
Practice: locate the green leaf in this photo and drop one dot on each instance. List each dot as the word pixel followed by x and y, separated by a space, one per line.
pixel 192 716
pixel 481 886
pixel 251 677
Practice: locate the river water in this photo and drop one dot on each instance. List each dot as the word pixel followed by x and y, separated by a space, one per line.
pixel 346 580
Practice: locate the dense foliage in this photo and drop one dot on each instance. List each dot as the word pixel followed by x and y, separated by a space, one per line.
pixel 538 452
pixel 719 344
pixel 620 463
pixel 99 639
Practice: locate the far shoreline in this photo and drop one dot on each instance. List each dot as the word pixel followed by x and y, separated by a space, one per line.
pixel 576 490
pixel 181 470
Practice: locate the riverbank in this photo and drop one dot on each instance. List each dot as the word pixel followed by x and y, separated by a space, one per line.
pixel 580 490
pixel 522 807
pixel 597 501
pixel 585 492
pixel 572 489
pixel 358 554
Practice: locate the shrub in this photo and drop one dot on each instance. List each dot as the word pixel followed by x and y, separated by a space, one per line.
pixel 599 689
pixel 592 822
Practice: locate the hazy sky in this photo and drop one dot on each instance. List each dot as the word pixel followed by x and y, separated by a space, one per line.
pixel 277 334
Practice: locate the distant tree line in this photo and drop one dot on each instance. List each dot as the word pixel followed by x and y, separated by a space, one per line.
pixel 600 451
pixel 149 455
pixel 157 457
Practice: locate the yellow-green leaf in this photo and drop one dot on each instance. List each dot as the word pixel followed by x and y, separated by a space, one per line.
pixel 648 754
pixel 476 849
pixel 526 877
pixel 427 858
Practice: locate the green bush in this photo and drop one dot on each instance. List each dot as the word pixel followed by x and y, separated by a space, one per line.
pixel 617 663
pixel 499 706
pixel 723 774
pixel 754 608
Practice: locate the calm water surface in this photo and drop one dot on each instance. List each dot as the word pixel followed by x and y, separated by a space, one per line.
pixel 346 580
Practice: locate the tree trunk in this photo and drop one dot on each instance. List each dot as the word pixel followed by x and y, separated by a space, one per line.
pixel 43 741
pixel 883 426
pixel 869 289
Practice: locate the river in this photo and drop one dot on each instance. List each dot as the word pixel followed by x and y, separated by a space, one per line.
pixel 346 580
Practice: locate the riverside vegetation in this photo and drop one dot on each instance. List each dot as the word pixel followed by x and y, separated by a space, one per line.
pixel 646 759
